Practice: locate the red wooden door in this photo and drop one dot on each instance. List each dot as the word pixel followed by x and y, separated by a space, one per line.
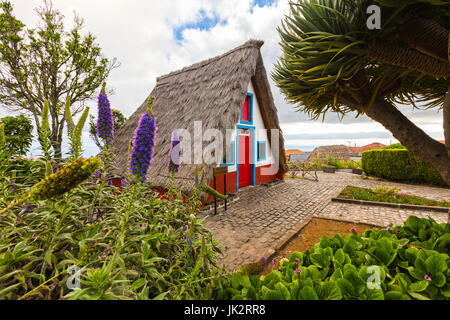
pixel 245 171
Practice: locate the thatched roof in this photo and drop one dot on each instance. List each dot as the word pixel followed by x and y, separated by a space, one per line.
pixel 338 152
pixel 211 91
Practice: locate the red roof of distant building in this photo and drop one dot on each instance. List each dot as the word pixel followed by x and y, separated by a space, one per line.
pixel 372 146
pixel 441 141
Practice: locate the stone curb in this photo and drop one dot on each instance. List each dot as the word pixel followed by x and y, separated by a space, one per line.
pixel 351 221
pixel 392 205
pixel 282 243
pixel 279 245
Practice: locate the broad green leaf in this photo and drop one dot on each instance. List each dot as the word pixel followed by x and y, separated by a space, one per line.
pixel 395 295
pixel 374 294
pixel 329 290
pixel 418 286
pixel 418 296
pixel 308 293
pixel 339 256
pixel 160 296
pixel 283 291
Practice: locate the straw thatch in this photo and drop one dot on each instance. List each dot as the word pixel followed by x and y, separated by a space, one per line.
pixel 337 152
pixel 211 91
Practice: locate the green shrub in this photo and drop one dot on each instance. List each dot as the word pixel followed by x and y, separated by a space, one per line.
pixel 394 146
pixel 132 246
pixel 412 261
pixel 18 134
pixel 399 164
pixel 392 195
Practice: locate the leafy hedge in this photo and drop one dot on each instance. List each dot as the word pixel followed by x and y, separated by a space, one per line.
pixel 413 262
pixel 394 146
pixel 399 164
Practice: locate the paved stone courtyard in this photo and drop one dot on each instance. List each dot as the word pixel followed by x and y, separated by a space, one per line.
pixel 265 216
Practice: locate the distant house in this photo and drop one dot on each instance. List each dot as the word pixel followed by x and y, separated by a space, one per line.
pixel 299 157
pixel 441 141
pixel 290 152
pixel 337 152
pixel 357 151
pixel 230 91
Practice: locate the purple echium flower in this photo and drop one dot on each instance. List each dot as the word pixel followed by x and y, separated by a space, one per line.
pixel 143 142
pixel 175 153
pixel 105 121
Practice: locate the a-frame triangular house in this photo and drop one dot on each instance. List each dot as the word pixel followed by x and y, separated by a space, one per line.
pixel 230 91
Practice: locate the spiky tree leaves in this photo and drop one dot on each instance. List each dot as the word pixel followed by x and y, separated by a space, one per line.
pixel 332 61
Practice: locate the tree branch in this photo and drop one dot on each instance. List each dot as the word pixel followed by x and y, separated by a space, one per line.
pixel 426 36
pixel 411 59
pixel 446 116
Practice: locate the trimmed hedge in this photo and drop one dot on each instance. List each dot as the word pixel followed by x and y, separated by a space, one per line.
pixel 399 164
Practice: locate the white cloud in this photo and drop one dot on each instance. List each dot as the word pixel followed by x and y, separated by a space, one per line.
pixel 141 35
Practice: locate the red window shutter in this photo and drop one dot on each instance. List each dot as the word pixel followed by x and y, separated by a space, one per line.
pixel 245 113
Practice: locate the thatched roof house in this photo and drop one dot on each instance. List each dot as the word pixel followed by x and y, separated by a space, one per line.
pixel 212 91
pixel 337 152
pixel 357 151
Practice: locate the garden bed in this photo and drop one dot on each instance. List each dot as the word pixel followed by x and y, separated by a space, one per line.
pixel 391 196
pixel 312 233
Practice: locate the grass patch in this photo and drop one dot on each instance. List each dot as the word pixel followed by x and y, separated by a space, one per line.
pixel 392 195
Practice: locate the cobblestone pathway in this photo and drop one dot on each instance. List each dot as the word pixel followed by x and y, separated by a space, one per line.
pixel 265 216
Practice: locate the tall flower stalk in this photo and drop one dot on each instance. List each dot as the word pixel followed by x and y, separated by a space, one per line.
pixel 75 135
pixel 105 121
pixel 143 143
pixel 58 183
pixel 44 132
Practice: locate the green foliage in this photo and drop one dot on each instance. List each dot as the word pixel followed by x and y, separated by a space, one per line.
pixel 44 133
pixel 131 246
pixel 18 134
pixel 49 63
pixel 207 189
pixel 327 57
pixel 391 195
pixel 2 135
pixel 394 146
pixel 412 262
pixel 341 164
pixel 75 135
pixel 397 164
pixel 64 179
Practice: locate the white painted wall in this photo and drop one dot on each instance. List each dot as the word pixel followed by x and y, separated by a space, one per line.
pixel 260 132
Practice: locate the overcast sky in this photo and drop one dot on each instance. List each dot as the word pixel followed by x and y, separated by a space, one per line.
pixel 151 38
